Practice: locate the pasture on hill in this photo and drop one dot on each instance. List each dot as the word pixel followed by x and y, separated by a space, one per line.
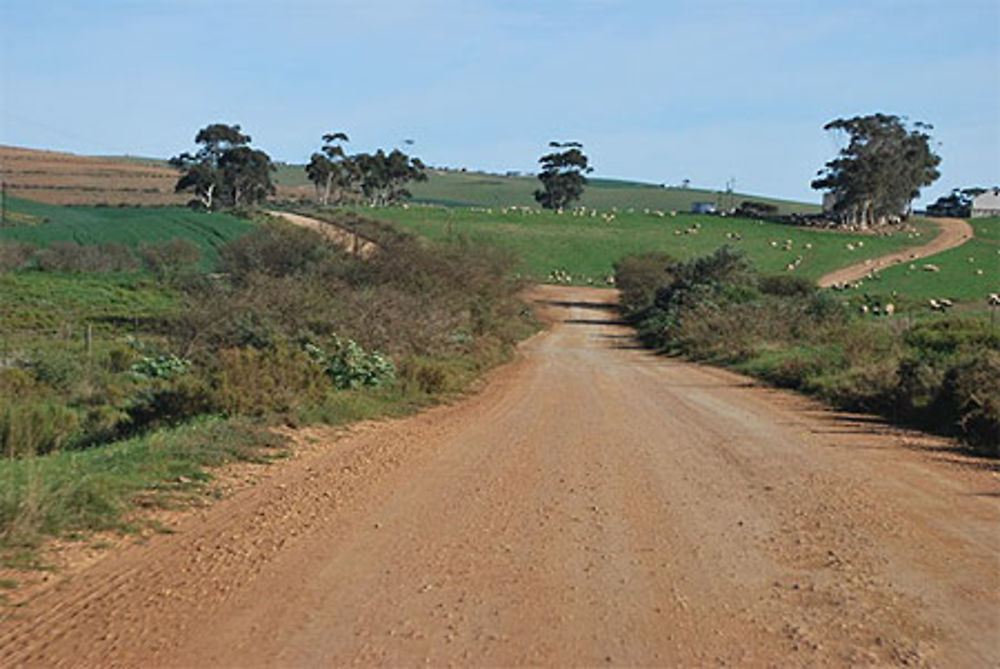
pixel 967 273
pixel 586 246
pixel 477 189
pixel 41 224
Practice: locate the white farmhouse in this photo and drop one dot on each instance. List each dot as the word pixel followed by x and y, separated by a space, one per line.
pixel 986 204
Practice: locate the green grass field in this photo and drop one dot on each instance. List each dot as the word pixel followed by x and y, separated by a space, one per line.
pixel 36 302
pixel 42 224
pixel 476 189
pixel 587 246
pixel 967 273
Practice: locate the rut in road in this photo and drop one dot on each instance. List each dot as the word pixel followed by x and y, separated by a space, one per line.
pixel 593 504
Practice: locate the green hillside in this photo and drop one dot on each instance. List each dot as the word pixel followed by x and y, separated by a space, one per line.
pixel 476 189
pixel 41 224
pixel 586 246
pixel 968 273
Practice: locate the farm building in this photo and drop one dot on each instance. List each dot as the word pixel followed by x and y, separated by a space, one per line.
pixel 986 204
pixel 703 208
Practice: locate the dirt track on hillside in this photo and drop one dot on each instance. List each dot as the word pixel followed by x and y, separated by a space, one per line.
pixel 347 240
pixel 594 504
pixel 954 232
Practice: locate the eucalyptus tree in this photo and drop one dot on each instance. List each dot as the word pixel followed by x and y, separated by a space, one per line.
pixel 562 175
pixel 224 171
pixel 383 177
pixel 330 169
pixel 880 171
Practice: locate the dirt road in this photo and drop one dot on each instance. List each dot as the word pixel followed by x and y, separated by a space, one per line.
pixel 954 232
pixel 349 241
pixel 594 504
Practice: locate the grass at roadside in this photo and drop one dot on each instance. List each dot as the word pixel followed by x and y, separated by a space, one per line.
pixel 103 488
pixel 119 392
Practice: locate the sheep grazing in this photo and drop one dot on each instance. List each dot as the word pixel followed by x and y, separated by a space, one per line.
pixel 560 276
pixel 994 299
pixel 850 247
pixel 610 279
pixel 890 309
pixel 864 309
pixel 809 245
pixel 940 304
pixel 931 268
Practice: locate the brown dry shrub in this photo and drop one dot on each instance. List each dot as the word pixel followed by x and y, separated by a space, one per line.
pixel 261 382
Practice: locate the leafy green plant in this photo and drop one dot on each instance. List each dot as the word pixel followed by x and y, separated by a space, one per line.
pixel 160 367
pixel 350 366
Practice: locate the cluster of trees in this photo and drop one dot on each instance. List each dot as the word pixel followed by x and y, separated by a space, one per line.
pixel 378 179
pixel 878 174
pixel 873 180
pixel 225 172
pixel 957 203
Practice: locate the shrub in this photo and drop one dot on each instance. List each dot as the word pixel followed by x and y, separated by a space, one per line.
pixel 35 427
pixel 638 276
pixel 350 366
pixel 970 399
pixel 170 259
pixel 166 403
pixel 160 367
pixel 265 382
pixel 277 250
pixel 786 285
pixel 66 256
pixel 14 255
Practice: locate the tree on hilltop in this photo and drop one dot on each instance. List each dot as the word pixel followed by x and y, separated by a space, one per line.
pixel 562 175
pixel 225 171
pixel 331 171
pixel 880 171
pixel 383 177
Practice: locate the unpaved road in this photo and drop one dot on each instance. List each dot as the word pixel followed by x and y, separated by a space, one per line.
pixel 594 504
pixel 347 240
pixel 954 232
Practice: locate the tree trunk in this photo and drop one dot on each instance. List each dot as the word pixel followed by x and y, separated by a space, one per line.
pixel 326 191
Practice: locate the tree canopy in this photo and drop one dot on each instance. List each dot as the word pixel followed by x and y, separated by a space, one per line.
pixel 225 171
pixel 880 171
pixel 562 175
pixel 331 171
pixel 383 177
pixel 379 178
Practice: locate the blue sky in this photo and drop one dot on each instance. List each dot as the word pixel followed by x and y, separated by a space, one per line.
pixel 657 91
